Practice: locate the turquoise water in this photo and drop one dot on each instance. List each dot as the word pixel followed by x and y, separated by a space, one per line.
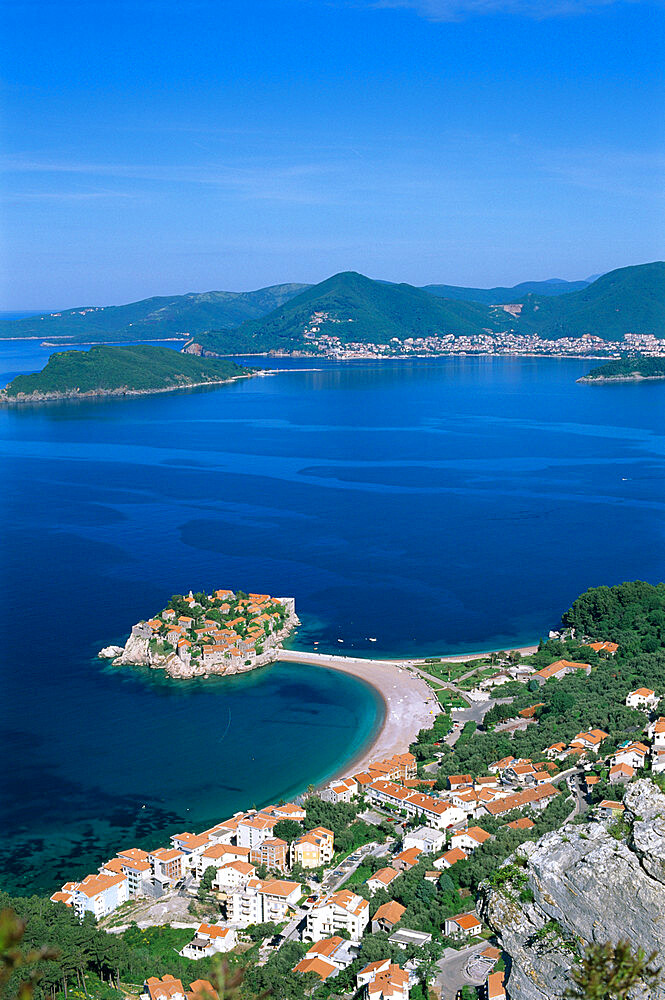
pixel 435 506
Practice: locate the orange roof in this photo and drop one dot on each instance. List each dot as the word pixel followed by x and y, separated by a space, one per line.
pixel 201 988
pixel 521 824
pixel 466 921
pixel 610 804
pixel 384 875
pixel 392 912
pixel 327 947
pixel 495 987
pixel 528 713
pixel 455 855
pixel 320 966
pixel 643 692
pixel 555 668
pixel 476 833
pixel 608 647
pixel 92 885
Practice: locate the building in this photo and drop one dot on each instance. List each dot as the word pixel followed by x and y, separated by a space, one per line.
pixel 608 808
pixel 334 953
pixel 470 838
pixel 521 824
pixel 463 925
pixel 426 839
pixel 388 916
pixel 450 858
pixel 404 938
pixel 232 875
pixel 656 733
pixel 97 894
pixel 621 773
pixel 531 798
pixel 191 846
pixel 383 981
pixel 167 988
pixel 336 912
pixel 210 939
pixel 642 698
pixel 253 830
pixel 166 865
pixel 494 988
pixel 273 853
pixel 262 901
pixel 559 669
pixel 406 860
pixel 317 964
pixel 634 754
pixel 382 879
pixel 604 647
pixel 340 791
pixel 313 849
pixel 589 740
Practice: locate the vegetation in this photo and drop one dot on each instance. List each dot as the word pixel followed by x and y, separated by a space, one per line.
pixel 627 367
pixel 150 319
pixel 108 369
pixel 610 972
pixel 496 296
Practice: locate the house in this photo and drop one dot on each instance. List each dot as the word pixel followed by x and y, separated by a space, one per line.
pixel 620 773
pixel 590 781
pixel 634 754
pixel 405 938
pixel 340 791
pixel 221 854
pixel 426 839
pixel 97 894
pixel 531 798
pixel 167 988
pixel 470 838
pixel 317 964
pixel 642 698
pixel 335 951
pixel 166 865
pixel 494 987
pixel 521 824
pixel 556 751
pixel 383 980
pixel 530 712
pixel 457 781
pixel 388 916
pixel 313 849
pixel 450 858
pixel 191 846
pixel 604 647
pixel 253 830
pixel 273 853
pixel 262 901
pixel 406 860
pixel 463 925
pixel 382 878
pixel 658 761
pixel 210 939
pixel 559 669
pixel 232 875
pixel 201 989
pixel 590 740
pixel 336 912
pixel 607 809
pixel 656 733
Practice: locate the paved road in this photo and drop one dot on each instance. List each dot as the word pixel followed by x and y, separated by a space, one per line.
pixel 451 975
pixel 336 879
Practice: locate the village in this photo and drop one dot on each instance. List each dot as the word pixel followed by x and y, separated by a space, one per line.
pixel 201 634
pixel 404 833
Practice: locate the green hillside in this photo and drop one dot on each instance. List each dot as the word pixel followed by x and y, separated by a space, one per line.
pixel 151 319
pixel 629 300
pixel 356 308
pixel 622 369
pixel 107 369
pixel 502 294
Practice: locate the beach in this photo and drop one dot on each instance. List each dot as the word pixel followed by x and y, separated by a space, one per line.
pixel 410 704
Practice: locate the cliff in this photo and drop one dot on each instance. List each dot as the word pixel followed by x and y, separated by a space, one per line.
pixel 594 882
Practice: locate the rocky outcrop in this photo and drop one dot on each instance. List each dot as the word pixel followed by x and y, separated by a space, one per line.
pixel 110 652
pixel 580 885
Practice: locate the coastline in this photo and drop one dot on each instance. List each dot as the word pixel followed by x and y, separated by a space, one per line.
pixel 93 394
pixel 409 703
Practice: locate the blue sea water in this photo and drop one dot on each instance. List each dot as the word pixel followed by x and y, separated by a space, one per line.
pixel 437 506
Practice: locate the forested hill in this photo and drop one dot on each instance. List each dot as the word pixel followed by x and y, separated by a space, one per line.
pixel 627 370
pixel 503 294
pixel 355 308
pixel 629 300
pixel 107 370
pixel 154 318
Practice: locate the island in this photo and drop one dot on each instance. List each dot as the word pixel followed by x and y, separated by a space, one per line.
pixel 201 634
pixel 119 371
pixel 626 370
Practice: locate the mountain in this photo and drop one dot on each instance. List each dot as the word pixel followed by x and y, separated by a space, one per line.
pixel 105 370
pixel 628 300
pixel 355 308
pixel 501 295
pixel 154 318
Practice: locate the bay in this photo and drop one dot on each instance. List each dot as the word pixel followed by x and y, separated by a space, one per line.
pixel 437 506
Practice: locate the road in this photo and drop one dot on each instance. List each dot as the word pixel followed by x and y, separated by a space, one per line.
pixel 451 975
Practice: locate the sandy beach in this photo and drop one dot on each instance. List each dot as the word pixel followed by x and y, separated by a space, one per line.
pixel 409 702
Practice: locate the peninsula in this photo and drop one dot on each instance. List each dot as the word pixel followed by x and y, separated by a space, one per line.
pixel 631 369
pixel 202 634
pixel 119 371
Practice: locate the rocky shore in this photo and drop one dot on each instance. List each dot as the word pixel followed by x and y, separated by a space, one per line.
pixel 121 393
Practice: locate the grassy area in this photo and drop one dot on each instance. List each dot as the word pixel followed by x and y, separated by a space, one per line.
pixel 450 671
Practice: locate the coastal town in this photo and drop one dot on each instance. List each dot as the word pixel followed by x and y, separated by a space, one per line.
pixel 200 634
pixel 325 343
pixel 375 885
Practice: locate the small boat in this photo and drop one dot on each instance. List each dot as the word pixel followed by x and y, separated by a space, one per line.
pixel 372 640
pixel 340 640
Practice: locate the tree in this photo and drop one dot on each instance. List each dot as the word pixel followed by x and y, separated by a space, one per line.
pixel 609 972
pixel 287 829
pixel 14 960
pixel 205 885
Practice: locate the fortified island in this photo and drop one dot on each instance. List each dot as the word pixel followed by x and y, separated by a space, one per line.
pixel 201 634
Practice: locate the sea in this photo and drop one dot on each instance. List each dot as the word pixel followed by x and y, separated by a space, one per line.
pixel 411 507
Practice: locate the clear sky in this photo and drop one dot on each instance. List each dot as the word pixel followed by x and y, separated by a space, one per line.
pixel 153 147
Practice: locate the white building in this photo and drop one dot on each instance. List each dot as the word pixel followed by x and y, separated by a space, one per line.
pixel 383 980
pixel 259 902
pixel 210 939
pixel 232 875
pixel 426 838
pixel 463 925
pixel 338 911
pixel 253 830
pixel 642 698
pixel 98 894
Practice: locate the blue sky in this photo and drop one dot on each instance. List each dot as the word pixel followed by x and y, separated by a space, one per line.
pixel 153 147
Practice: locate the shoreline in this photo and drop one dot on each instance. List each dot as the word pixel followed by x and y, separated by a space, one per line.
pixel 93 394
pixel 409 703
